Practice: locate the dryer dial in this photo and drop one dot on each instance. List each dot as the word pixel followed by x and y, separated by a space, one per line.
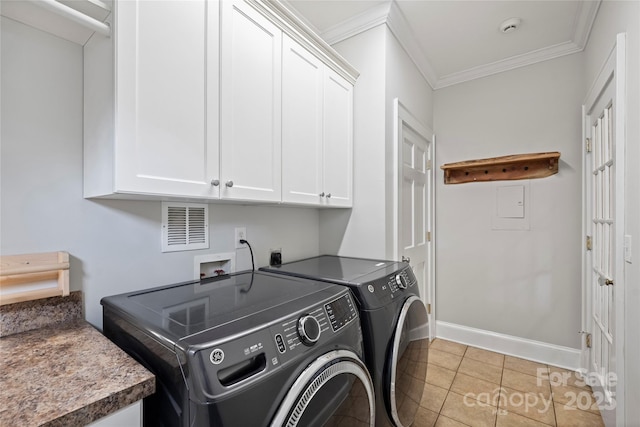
pixel 401 281
pixel 308 329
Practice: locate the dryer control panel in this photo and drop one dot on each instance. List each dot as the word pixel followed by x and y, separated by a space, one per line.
pixel 384 290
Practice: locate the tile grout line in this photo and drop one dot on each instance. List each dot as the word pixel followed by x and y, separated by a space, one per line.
pixel 502 373
pixel 500 392
pixel 551 396
pixel 449 389
pixel 553 402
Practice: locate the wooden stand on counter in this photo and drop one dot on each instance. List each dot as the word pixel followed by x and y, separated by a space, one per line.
pixel 20 273
pixel 519 166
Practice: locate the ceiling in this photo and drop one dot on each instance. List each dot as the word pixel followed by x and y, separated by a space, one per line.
pixel 452 41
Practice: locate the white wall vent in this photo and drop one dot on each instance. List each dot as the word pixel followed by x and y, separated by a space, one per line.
pixel 185 226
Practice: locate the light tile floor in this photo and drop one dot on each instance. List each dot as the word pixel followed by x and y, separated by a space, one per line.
pixel 468 386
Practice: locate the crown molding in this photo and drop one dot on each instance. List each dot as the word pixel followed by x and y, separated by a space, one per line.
pixel 518 61
pixel 390 14
pixel 299 16
pixel 584 21
pixel 397 24
pixel 582 25
pixel 288 21
pixel 356 25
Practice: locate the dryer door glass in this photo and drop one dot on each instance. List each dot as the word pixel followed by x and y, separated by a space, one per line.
pixel 336 389
pixel 407 372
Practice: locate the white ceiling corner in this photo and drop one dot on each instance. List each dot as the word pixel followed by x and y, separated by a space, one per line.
pixel 584 21
pixel 357 24
pixel 400 28
pixel 390 13
pixel 292 9
pixel 511 63
pixel 581 29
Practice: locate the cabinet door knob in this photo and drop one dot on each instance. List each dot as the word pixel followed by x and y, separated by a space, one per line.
pixel 215 182
pixel 328 195
pixel 229 184
pixel 321 194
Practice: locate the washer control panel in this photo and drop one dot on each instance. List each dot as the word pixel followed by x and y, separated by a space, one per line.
pixel 230 364
pixel 341 312
pixel 313 327
pixel 308 329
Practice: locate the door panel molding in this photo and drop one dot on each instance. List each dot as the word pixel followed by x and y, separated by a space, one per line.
pixel 612 79
pixel 405 120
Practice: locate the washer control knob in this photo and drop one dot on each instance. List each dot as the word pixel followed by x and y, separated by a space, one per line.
pixel 308 329
pixel 401 281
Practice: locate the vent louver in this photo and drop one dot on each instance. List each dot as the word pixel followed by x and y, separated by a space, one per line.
pixel 184 226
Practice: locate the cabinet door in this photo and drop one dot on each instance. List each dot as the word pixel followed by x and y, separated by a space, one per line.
pixel 166 75
pixel 338 140
pixel 302 79
pixel 251 104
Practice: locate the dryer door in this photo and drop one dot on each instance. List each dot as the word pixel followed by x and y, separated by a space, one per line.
pixel 407 367
pixel 335 389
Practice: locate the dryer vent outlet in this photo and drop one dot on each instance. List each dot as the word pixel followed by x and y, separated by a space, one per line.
pixel 276 257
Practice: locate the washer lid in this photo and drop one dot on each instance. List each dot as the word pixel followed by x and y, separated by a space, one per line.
pixel 226 305
pixel 336 269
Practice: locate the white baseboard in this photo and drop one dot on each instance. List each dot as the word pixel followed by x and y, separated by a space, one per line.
pixel 550 354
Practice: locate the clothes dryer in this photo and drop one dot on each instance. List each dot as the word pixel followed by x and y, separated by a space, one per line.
pixel 250 349
pixel 394 323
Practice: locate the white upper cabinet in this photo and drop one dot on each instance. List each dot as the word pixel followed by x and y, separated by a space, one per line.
pixel 316 130
pixel 337 140
pixel 151 101
pixel 208 99
pixel 302 115
pixel 251 104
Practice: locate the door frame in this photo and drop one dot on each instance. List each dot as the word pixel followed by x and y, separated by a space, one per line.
pixel 614 71
pixel 401 115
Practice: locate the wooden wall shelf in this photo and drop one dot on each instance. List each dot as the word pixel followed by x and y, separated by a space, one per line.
pixel 19 274
pixel 519 166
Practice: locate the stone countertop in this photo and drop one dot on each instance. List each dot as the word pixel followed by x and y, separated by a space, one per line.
pixel 66 375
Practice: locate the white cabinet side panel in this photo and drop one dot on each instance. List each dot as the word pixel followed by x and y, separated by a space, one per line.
pixel 99 120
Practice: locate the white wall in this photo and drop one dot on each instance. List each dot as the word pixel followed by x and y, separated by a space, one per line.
pixel 386 73
pixel 114 245
pixel 616 17
pixel 520 283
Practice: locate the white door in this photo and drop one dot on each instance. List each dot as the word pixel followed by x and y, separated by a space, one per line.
pixel 166 143
pixel 415 206
pixel 604 182
pixel 302 81
pixel 251 94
